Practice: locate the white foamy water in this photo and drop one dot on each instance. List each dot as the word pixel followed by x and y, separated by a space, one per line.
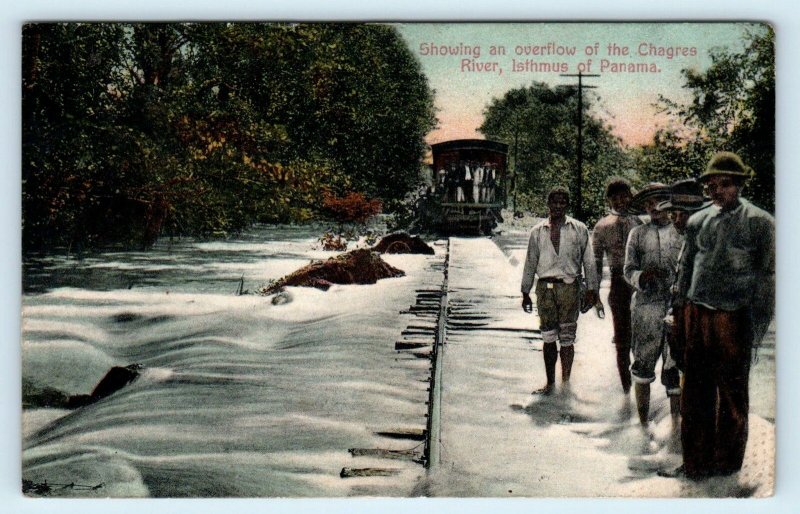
pixel 238 397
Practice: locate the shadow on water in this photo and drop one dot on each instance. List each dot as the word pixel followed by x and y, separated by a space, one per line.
pixel 561 406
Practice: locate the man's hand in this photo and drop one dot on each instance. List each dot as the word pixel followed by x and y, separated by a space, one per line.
pixel 651 279
pixel 527 304
pixel 590 297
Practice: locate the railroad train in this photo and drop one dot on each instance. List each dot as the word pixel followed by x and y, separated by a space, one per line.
pixel 469 187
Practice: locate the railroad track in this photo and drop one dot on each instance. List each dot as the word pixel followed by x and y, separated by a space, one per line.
pixel 435 316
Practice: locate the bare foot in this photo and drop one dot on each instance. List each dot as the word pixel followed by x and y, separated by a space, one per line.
pixel 547 389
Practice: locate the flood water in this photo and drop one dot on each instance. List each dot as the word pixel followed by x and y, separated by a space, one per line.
pixel 238 397
pixel 242 397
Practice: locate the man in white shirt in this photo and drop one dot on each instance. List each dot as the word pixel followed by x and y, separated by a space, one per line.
pixel 651 258
pixel 558 249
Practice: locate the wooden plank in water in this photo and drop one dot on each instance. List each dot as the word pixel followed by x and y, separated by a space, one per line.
pixel 409 455
pixel 368 472
pixel 417 434
pixel 411 345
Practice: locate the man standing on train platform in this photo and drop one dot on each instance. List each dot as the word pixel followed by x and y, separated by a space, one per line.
pixel 609 238
pixel 727 279
pixel 651 259
pixel 559 253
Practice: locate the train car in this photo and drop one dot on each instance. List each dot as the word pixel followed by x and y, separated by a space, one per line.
pixel 469 186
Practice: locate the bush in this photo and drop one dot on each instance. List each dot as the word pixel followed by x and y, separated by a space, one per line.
pixel 353 207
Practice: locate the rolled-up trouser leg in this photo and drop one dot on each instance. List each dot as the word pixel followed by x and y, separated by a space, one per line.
pixel 548 326
pixel 647 339
pixel 558 309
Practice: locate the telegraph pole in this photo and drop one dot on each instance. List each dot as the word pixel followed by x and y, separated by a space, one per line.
pixel 579 170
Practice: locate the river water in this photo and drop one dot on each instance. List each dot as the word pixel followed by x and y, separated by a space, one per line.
pixel 238 397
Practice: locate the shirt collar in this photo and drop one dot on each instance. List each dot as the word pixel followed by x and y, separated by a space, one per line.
pixel 719 212
pixel 567 221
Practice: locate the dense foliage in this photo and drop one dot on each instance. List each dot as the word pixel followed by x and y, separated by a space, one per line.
pixel 732 108
pixel 135 130
pixel 539 125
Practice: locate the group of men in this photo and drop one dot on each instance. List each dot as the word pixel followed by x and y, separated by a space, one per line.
pixel 692 284
pixel 468 181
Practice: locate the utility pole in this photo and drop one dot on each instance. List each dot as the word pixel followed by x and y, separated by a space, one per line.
pixel 516 141
pixel 579 170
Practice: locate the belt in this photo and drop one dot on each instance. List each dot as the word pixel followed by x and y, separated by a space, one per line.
pixel 552 280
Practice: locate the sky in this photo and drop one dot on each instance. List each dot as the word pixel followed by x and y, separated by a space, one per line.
pixel 465 80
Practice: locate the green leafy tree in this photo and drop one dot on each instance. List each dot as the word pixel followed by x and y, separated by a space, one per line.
pixel 134 130
pixel 732 108
pixel 538 124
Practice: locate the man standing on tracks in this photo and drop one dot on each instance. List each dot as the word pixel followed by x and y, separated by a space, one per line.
pixel 727 278
pixel 651 259
pixel 609 238
pixel 558 249
pixel 686 198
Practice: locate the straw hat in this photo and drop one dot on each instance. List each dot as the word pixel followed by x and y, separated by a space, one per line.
pixel 651 190
pixel 686 195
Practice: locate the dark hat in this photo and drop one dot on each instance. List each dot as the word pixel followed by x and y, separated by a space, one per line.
pixel 686 195
pixel 653 189
pixel 726 163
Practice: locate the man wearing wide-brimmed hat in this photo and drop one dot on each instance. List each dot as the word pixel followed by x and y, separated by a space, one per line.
pixel 651 258
pixel 727 278
pixel 686 198
pixel 608 239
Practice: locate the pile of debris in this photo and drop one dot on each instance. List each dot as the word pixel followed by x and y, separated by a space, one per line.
pixel 401 242
pixel 361 266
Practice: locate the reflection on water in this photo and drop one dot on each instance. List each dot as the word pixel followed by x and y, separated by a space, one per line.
pixel 182 264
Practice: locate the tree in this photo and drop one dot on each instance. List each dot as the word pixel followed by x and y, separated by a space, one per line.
pixel 732 108
pixel 537 123
pixel 131 130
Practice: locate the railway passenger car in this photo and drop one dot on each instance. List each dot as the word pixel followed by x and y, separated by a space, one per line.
pixel 469 186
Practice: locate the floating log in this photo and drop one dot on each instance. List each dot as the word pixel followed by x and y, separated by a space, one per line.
pixel 368 472
pixel 412 333
pixel 422 326
pixel 116 378
pixel 467 326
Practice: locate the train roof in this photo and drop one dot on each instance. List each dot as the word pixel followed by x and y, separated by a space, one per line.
pixel 470 144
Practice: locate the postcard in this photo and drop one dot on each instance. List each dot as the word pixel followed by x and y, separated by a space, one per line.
pixel 318 260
